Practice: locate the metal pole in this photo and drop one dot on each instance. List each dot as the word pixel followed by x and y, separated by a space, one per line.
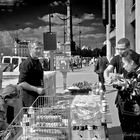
pixel 51 52
pixel 68 21
pixel 64 20
pixel 71 26
pixel 64 32
pixel 108 44
pixel 80 39
pixel 50 23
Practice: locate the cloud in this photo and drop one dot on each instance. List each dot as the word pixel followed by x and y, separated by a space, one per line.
pixel 28 23
pixel 88 16
pixel 57 3
pixel 27 29
pixel 56 18
pixel 97 24
pixel 82 18
pixel 83 29
pixel 57 25
pixel 99 35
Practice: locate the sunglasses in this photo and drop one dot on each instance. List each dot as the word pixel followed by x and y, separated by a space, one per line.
pixel 121 49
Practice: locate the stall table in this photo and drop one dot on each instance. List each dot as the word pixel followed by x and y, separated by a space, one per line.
pixel 88 120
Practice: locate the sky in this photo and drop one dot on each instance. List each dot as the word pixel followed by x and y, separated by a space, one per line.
pixel 31 20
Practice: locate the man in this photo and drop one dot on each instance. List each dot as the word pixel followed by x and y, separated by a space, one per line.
pixel 99 67
pixel 117 65
pixel 31 74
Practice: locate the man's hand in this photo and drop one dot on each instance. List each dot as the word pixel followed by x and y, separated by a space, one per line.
pixel 108 81
pixel 40 91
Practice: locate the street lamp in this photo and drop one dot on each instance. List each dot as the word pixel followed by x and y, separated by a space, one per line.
pixel 1 56
pixel 64 20
pixel 50 16
pixel 79 35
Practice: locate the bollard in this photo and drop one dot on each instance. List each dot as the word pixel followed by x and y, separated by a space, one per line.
pixel 90 132
pixel 104 106
pixel 64 80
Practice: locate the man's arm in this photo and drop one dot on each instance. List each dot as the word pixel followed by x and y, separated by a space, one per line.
pixel 107 72
pixel 29 87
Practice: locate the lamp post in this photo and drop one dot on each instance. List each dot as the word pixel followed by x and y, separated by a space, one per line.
pixel 50 24
pixel 1 56
pixel 80 36
pixel 64 21
pixel 108 44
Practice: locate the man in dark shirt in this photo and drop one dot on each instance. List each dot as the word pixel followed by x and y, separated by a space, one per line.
pixel 117 65
pixel 31 74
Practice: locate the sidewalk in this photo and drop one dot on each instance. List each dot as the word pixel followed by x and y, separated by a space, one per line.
pixel 79 75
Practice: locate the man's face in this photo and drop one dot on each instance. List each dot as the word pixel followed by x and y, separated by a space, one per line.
pixel 36 50
pixel 121 48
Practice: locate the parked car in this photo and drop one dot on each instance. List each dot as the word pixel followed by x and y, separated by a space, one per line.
pixel 12 63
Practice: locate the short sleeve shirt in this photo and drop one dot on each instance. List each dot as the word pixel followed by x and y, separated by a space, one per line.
pixel 31 71
pixel 116 62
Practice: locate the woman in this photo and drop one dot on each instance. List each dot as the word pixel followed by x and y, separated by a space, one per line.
pixel 129 87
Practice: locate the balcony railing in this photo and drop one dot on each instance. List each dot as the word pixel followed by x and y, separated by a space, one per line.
pixel 133 7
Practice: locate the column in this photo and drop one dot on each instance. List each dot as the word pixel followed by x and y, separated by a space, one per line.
pixel 137 28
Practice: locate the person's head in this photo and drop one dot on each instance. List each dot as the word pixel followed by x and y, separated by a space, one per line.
pixel 10 94
pixel 122 46
pixel 35 49
pixel 130 60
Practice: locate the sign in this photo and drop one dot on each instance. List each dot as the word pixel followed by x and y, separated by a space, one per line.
pixel 64 65
pixel 49 39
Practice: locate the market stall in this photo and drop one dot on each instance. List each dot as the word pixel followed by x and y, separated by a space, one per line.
pixel 64 117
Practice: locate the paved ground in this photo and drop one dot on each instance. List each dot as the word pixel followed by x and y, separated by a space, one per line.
pixel 79 75
pixel 87 74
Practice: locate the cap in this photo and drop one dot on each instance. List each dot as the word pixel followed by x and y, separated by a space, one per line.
pixel 9 91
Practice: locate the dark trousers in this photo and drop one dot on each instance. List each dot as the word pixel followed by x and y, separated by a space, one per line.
pixel 130 125
pixel 102 80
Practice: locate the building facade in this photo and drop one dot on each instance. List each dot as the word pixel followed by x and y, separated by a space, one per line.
pixel 127 22
pixel 20 49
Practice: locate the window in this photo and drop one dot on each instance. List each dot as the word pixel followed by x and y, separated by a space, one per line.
pixel 6 60
pixel 15 61
pixel 23 59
